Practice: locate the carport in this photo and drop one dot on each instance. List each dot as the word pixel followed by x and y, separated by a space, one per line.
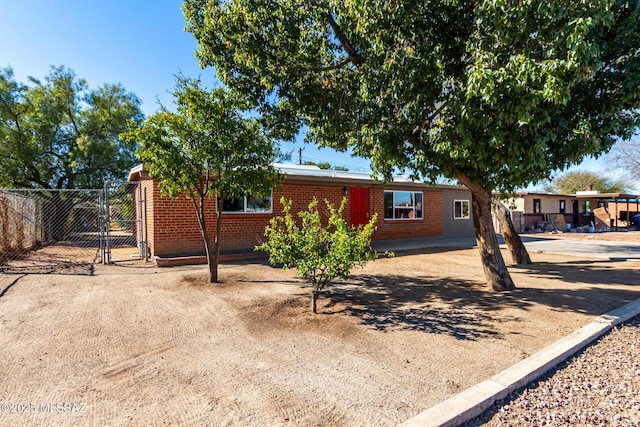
pixel 619 206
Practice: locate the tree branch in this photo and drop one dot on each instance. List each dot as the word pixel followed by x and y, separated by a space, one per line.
pixel 333 67
pixel 429 119
pixel 353 55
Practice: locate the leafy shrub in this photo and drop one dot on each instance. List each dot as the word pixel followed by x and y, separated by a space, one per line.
pixel 318 253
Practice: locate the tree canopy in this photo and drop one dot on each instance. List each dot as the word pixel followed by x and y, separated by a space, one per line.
pixel 494 93
pixel 572 182
pixel 60 134
pixel 206 148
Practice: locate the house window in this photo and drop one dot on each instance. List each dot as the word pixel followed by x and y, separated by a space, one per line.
pixel 248 204
pixel 537 206
pixel 586 206
pixel 563 207
pixel 460 209
pixel 402 205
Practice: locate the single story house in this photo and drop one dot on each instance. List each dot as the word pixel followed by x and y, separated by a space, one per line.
pixel 405 209
pixel 613 210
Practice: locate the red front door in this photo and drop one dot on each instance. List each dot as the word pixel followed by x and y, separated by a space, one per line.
pixel 359 206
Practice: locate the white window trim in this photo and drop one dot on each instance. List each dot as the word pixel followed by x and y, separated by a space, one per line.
pixel 414 206
pixel 245 212
pixel 461 210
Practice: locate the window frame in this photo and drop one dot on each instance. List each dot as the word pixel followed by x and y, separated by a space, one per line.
pixel 394 206
pixel 562 206
pixel 244 211
pixel 462 202
pixel 537 203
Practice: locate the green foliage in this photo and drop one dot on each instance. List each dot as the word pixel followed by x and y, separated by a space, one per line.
pixel 572 182
pixel 326 165
pixel 497 94
pixel 206 148
pixel 318 253
pixel 500 92
pixel 59 134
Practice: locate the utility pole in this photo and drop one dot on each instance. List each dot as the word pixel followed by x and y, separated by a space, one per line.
pixel 300 155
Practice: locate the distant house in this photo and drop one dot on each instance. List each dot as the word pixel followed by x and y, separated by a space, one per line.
pixel 613 210
pixel 405 209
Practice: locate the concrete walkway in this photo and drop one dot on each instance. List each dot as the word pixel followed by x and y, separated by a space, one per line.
pixel 589 248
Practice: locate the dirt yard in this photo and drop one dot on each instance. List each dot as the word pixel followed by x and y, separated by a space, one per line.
pixel 137 345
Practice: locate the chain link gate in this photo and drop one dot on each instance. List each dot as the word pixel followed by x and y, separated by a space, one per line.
pixel 49 230
pixel 124 228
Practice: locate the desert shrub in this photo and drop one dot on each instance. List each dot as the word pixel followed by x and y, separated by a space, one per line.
pixel 318 253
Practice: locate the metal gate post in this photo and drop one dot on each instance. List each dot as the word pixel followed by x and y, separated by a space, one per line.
pixel 138 219
pixel 146 236
pixel 107 221
pixel 101 224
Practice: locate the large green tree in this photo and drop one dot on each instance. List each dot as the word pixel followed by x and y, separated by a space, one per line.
pixel 60 134
pixel 207 147
pixel 494 93
pixel 572 182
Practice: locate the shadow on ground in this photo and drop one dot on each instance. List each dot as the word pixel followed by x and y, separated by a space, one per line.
pixel 60 268
pixel 428 304
pixel 466 309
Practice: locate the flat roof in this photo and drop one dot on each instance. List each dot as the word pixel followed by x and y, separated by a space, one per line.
pixel 302 173
pixel 595 195
pixel 582 195
pixel 541 193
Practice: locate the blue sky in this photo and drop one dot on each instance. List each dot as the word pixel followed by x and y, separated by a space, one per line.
pixel 141 44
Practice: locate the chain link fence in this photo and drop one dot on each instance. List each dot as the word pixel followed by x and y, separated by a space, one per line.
pixel 124 225
pixel 42 229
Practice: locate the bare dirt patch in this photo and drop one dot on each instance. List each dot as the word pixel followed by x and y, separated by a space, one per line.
pixel 140 345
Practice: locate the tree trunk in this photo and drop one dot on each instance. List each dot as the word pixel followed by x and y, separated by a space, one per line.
pixel 213 268
pixel 519 254
pixel 314 299
pixel 212 259
pixel 495 270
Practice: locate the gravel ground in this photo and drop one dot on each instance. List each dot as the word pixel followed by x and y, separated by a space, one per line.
pixel 600 386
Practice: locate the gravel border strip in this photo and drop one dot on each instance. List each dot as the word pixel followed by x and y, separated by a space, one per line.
pixel 474 401
pixel 600 385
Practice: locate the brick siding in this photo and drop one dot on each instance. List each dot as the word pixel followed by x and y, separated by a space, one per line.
pixel 173 229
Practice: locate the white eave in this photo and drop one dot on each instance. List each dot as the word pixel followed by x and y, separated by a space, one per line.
pixel 136 172
pixel 308 173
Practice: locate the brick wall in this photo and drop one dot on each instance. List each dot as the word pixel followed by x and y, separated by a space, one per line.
pixel 429 225
pixel 173 226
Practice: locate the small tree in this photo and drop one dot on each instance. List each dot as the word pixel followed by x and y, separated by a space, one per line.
pixel 318 253
pixel 207 148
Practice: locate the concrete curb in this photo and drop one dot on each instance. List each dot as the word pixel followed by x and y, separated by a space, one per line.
pixel 475 400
